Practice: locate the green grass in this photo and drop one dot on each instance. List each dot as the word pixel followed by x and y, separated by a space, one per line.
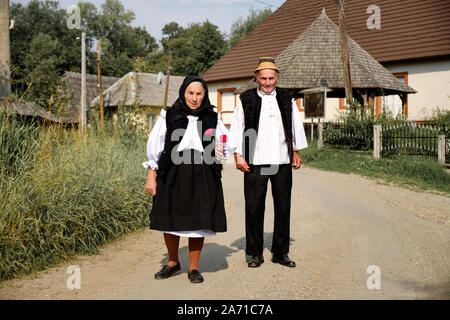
pixel 64 193
pixel 415 173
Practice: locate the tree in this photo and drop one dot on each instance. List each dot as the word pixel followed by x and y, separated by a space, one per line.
pixel 43 48
pixel 41 72
pixel 194 49
pixel 208 45
pixel 242 27
pixel 121 42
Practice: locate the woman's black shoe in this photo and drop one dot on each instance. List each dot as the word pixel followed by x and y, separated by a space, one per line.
pixel 195 276
pixel 167 272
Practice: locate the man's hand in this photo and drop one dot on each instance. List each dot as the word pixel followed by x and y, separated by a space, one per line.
pixel 150 186
pixel 241 164
pixel 296 161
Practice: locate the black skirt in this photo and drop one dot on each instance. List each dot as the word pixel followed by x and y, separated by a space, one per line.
pixel 188 197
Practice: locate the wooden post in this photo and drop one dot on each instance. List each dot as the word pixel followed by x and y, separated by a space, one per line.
pixel 99 84
pixel 83 81
pixel 377 144
pixel 344 50
pixel 441 149
pixel 404 98
pixel 312 129
pixel 167 82
pixel 320 141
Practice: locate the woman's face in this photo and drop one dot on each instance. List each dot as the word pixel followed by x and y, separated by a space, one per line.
pixel 194 95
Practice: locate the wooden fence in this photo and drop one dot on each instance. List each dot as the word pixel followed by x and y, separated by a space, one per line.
pixel 406 138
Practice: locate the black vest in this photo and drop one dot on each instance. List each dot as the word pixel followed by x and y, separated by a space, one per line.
pixel 206 126
pixel 251 103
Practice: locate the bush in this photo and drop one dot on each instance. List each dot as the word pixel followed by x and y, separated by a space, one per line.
pixel 71 193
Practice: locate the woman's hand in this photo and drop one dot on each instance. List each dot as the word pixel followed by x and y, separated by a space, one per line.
pixel 150 186
pixel 219 152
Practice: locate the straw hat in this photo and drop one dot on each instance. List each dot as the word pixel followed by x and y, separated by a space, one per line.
pixel 266 63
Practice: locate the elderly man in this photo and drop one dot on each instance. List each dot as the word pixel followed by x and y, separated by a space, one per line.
pixel 268 131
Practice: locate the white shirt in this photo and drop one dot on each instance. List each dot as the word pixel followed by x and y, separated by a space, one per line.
pixel 271 145
pixel 190 140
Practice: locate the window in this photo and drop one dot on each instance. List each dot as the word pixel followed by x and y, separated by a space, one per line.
pixel 226 102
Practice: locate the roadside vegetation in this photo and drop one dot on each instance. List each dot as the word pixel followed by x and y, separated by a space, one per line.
pixel 64 192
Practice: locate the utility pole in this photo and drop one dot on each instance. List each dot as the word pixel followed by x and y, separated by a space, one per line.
pixel 83 80
pixel 167 81
pixel 344 50
pixel 100 88
pixel 5 55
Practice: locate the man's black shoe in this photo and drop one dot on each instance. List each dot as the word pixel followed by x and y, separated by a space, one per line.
pixel 255 261
pixel 283 260
pixel 167 272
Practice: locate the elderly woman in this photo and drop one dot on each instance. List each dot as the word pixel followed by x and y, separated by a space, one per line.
pixel 184 175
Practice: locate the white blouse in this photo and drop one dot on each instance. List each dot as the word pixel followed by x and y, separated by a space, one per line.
pixel 190 140
pixel 271 145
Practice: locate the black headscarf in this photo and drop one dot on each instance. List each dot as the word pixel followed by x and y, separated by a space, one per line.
pixel 181 106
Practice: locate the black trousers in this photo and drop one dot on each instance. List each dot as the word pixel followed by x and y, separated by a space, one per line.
pixel 255 189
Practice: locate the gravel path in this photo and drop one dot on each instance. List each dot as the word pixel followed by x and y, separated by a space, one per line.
pixel 340 225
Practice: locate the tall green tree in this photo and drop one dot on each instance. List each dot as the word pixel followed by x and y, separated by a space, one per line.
pixel 242 27
pixel 121 42
pixel 208 45
pixel 194 49
pixel 43 47
pixel 39 18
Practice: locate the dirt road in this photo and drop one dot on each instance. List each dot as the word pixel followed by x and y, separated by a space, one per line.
pixel 341 225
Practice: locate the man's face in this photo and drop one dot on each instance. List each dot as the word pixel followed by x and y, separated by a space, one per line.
pixel 267 79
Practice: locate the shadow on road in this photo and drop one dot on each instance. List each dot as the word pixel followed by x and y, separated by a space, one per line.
pixel 240 243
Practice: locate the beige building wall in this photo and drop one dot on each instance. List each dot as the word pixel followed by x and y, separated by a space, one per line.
pixel 431 80
pixel 221 95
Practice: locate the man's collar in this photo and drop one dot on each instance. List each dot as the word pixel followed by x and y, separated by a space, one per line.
pixel 262 94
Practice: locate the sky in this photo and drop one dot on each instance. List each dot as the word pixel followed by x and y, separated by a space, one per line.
pixel 154 14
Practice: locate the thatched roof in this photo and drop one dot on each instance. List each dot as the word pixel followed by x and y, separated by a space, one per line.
pixel 314 59
pixel 73 80
pixel 26 109
pixel 140 89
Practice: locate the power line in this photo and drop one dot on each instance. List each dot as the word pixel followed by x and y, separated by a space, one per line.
pixel 262 2
pixel 242 4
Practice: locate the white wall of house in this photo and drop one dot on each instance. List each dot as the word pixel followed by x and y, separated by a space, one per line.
pixel 223 91
pixel 431 80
